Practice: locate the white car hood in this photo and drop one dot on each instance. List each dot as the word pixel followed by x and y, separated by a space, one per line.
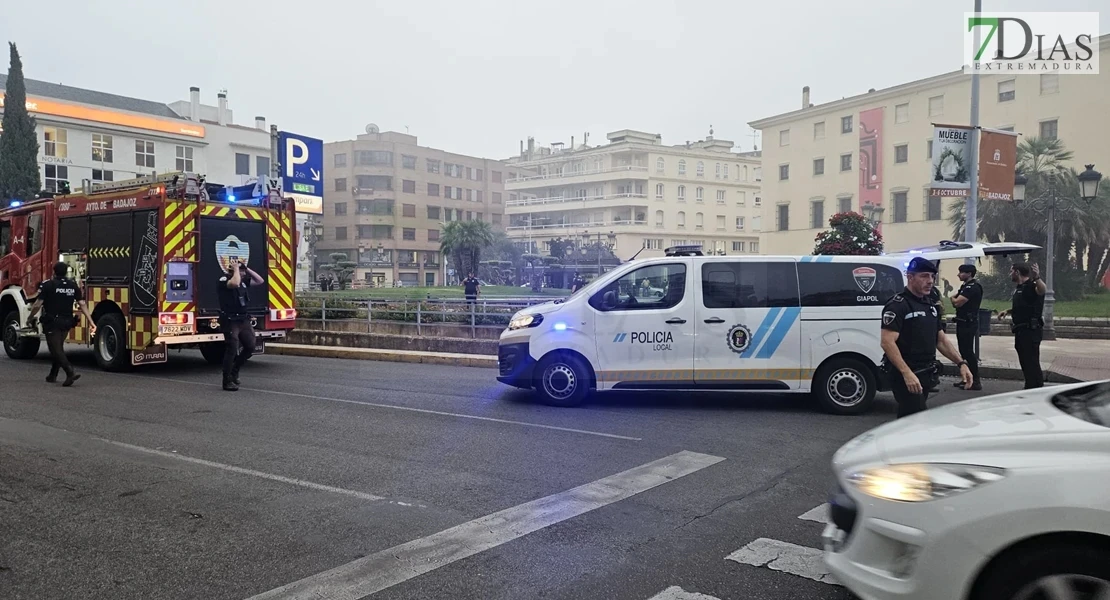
pixel 546 308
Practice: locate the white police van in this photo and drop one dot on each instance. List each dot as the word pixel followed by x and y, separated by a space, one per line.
pixel 792 324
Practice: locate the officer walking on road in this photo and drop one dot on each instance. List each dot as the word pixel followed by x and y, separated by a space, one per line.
pixel 912 332
pixel 967 301
pixel 234 293
pixel 56 298
pixel 1027 321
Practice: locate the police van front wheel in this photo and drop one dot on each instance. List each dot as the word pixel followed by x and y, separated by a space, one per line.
pixel 844 387
pixel 562 380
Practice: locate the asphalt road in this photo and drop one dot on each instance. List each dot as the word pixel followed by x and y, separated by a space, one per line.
pixel 406 481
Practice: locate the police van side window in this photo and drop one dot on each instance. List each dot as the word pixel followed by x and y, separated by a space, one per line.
pixel 5 238
pixel 848 284
pixel 743 284
pixel 653 287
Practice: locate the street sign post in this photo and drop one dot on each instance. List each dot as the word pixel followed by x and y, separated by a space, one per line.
pixel 302 171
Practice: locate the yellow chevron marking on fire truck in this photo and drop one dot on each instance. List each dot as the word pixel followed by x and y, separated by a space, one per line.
pixel 110 252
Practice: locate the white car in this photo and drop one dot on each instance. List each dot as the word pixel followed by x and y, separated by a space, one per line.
pixel 1002 498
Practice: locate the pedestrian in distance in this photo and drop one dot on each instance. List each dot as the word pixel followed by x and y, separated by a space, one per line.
pixel 235 321
pixel 56 298
pixel 967 301
pixel 912 333
pixel 471 288
pixel 1027 320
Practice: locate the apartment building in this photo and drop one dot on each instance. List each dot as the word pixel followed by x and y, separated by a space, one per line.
pixel 387 200
pixel 637 194
pixel 813 163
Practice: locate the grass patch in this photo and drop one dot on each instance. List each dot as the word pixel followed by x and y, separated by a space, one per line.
pixel 412 293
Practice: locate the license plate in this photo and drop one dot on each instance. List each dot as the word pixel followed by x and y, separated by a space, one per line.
pixel 174 329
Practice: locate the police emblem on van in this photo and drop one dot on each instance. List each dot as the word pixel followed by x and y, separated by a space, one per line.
pixel 739 338
pixel 865 278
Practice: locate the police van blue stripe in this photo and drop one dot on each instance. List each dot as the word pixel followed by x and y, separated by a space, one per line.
pixel 783 327
pixel 761 332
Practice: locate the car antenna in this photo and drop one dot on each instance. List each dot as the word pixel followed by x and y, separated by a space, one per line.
pixel 642 248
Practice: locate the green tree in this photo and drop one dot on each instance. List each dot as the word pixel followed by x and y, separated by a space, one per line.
pixel 464 242
pixel 851 234
pixel 19 145
pixel 341 268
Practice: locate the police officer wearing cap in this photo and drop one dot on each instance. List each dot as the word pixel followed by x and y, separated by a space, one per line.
pixel 967 301
pixel 912 332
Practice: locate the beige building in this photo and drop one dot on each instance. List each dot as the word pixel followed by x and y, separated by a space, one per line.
pixel 637 193
pixel 812 155
pixel 387 200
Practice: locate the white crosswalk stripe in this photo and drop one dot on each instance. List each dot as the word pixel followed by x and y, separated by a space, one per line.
pixel 819 514
pixel 676 593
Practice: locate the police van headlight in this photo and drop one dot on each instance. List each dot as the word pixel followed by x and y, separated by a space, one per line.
pixel 524 321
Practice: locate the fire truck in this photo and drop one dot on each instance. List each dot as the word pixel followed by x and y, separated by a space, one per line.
pixel 148 254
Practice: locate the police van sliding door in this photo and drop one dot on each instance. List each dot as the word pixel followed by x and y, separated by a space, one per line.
pixel 747 327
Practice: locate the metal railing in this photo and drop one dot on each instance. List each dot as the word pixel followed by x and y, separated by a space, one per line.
pixel 568 173
pixel 494 313
pixel 566 199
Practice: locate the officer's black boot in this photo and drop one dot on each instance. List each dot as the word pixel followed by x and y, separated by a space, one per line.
pixel 53 376
pixel 230 385
pixel 71 377
pixel 235 374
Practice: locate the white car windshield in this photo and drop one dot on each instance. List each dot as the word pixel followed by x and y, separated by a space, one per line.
pixel 1090 403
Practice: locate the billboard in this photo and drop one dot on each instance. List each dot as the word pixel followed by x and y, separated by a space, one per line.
pixel 871 158
pixel 997 164
pixel 950 167
pixel 302 171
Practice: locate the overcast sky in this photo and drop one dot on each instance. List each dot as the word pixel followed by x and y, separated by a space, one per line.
pixel 478 76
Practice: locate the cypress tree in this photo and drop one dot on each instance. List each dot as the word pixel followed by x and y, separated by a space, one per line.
pixel 19 145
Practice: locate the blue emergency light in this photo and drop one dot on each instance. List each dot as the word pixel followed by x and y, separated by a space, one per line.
pixel 252 194
pixel 15 204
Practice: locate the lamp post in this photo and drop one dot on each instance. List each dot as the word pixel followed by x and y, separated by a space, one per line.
pixel 873 214
pixel 313 232
pixel 1048 202
pixel 612 237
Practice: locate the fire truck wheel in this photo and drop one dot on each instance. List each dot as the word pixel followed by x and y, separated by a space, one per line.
pixel 18 348
pixel 213 352
pixel 110 343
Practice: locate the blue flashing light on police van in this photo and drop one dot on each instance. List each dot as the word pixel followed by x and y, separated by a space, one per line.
pixel 560 327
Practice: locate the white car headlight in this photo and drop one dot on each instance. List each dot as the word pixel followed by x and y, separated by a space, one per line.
pixel 525 321
pixel 922 482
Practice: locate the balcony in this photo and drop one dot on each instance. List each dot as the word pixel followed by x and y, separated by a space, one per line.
pixel 587 175
pixel 372 193
pixel 556 227
pixel 561 202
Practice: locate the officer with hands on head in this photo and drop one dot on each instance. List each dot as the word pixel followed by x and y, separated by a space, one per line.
pixel 967 301
pixel 235 321
pixel 912 332
pixel 1027 314
pixel 56 298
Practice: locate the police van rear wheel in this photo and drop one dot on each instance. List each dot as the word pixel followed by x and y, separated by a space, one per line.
pixel 845 387
pixel 562 381
pixel 110 343
pixel 18 348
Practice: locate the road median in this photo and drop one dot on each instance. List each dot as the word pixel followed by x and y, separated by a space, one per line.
pixel 384 355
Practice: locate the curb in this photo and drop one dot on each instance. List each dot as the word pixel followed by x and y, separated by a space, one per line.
pixel 377 354
pixel 1011 374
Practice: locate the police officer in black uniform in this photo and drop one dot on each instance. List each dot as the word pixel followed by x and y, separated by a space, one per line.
pixel 967 301
pixel 56 298
pixel 912 332
pixel 234 293
pixel 471 288
pixel 1027 325
pixel 578 283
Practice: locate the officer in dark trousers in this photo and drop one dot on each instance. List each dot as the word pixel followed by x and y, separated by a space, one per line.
pixel 56 299
pixel 1027 321
pixel 967 302
pixel 912 332
pixel 471 288
pixel 234 292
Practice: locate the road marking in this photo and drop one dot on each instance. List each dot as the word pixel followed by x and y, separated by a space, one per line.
pixel 395 565
pixel 785 557
pixel 410 409
pixel 819 514
pixel 676 593
pixel 252 472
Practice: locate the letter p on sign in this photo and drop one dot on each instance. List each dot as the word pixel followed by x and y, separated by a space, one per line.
pixel 296 153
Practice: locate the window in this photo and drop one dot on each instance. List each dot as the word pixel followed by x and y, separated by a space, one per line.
pixel 340 209
pixel 262 164
pixel 845 204
pixel 653 243
pixel 100 175
pixel 55 175
pixel 744 284
pixel 758 201
pixel 818 166
pixel 433 165
pixel 720 196
pixel 433 235
pixel 784 137
pixel 725 175
pixel 408 234
pixel 184 159
pixel 936 106
pixel 845 162
pixel 56 142
pixel 1050 83
pixel 784 172
pixel 741 198
pixel 495 176
pixel 819 131
pixel 242 164
pixel 408 210
pixel 681 218
pixel 433 189
pixel 433 212
pixel 681 193
pixel 660 165
pixel 659 219
pixel 848 284
pixel 700 194
pixel 101 148
pixel 5 238
pixel 341 184
pixel 144 154
pixel 900 215
pixel 720 222
pixel 738 246
pixel 740 223
pixel 408 162
pixel 718 175
pixel 1007 90
pixel 757 224
pixel 1049 130
pixel 699 221
pixel 758 172
pixel 408 186
pixel 902 113
pixel 701 169
pixel 901 153
pixel 496 218
pixel 370 183
pixel 340 233
pixel 846 124
pixel 784 217
pixel 659 191
pixel 817 214
pixel 654 287
pixel 373 157
pixel 340 160
pixel 34 233
pixel 932 208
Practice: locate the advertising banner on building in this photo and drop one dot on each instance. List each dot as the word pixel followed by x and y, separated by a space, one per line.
pixel 871 157
pixel 997 163
pixel 951 165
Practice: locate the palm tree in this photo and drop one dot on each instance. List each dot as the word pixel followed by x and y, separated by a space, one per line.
pixel 464 242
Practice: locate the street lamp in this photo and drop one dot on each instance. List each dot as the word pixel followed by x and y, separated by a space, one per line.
pixel 1048 202
pixel 612 237
pixel 873 213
